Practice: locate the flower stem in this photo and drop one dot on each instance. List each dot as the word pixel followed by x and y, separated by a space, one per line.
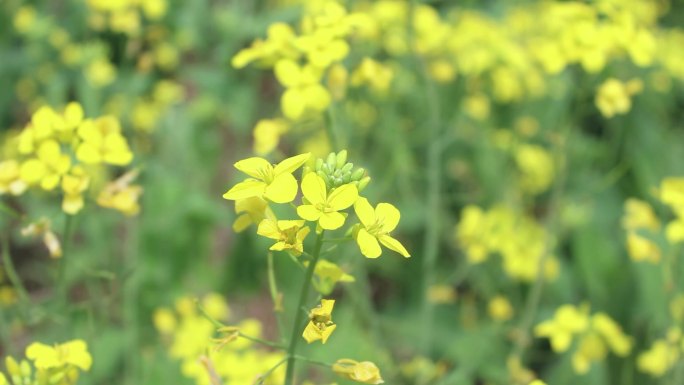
pixel 297 325
pixel 12 274
pixel 62 286
pixel 276 297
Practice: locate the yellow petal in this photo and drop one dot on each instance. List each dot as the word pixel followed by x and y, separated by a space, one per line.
pixel 255 167
pixel 287 72
pixel 343 197
pixel 388 215
pixel 279 246
pixel 49 151
pixel 32 171
pixel 283 189
pixel 293 103
pixel 393 244
pixel 72 204
pixel 325 334
pixel 308 212
pixel 78 354
pixel 331 221
pixel 246 189
pixel 43 356
pixel 365 212
pixel 268 228
pixel 368 244
pixel 88 154
pixel 311 333
pixel 317 97
pixel 291 164
pixel 327 306
pixel 241 223
pixel 313 188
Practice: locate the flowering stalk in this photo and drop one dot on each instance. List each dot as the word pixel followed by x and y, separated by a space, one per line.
pixel 12 273
pixel 297 326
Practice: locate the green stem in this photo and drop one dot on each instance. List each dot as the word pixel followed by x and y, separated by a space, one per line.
pixel 63 289
pixel 12 273
pixel 275 295
pixel 299 315
pixel 315 362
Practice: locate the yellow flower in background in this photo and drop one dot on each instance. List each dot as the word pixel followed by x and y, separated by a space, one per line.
pixel 48 167
pixel 328 274
pixel 376 225
pixel 614 97
pixel 320 325
pixel 641 248
pixel 442 294
pixel 500 309
pixel 536 167
pixel 122 195
pixel 289 234
pixel 659 359
pixel 323 207
pixel 267 133
pixel 10 180
pixel 304 91
pixel 672 192
pixel 102 142
pixel 100 73
pixel 73 352
pixel 337 81
pixel 639 215
pixel 567 321
pixel 273 183
pixel 365 372
pixel 24 19
pixel 374 74
pixel 251 211
pixel 50 240
pixel 74 184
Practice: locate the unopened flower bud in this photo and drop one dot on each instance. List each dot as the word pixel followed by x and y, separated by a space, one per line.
pixel 331 161
pixel 341 158
pixel 363 183
pixel 358 174
pixel 319 164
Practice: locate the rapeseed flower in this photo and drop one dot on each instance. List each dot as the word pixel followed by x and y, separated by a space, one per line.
pixel 121 194
pixel 376 224
pixel 365 372
pixel 73 352
pixel 289 235
pixel 328 274
pixel 320 325
pixel 251 210
pixel 322 206
pixel 73 185
pixel 102 142
pixel 274 183
pixel 48 167
pixel 10 180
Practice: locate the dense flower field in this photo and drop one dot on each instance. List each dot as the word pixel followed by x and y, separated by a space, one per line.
pixel 316 192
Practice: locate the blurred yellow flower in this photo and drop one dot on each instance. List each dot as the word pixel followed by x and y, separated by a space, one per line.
pixel 73 352
pixel 365 372
pixel 73 185
pixel 323 207
pixel 500 309
pixel 376 225
pixel 250 211
pixel 100 72
pixel 48 167
pixel 273 183
pixel 303 89
pixel 328 274
pixel 121 194
pixel 320 325
pixel 10 180
pixel 50 240
pixel 614 97
pixel 103 142
pixel 567 320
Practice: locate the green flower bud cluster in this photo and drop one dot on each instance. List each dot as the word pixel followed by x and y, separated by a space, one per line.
pixel 336 172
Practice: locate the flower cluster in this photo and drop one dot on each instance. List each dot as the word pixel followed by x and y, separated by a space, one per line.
pixel 191 337
pixel 594 336
pixel 663 354
pixel 520 240
pixel 643 228
pixel 66 151
pixel 59 364
pixel 330 187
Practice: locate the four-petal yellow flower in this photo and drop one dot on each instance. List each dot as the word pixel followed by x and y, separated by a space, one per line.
pixel 376 225
pixel 324 207
pixel 320 325
pixel 69 353
pixel 274 183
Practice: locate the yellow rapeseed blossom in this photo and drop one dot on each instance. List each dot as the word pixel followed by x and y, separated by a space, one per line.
pixel 324 207
pixel 536 167
pixel 267 133
pixel 103 142
pixel 289 234
pixel 328 274
pixel 376 224
pixel 47 168
pixel 273 183
pixel 320 325
pixel 660 358
pixel 100 73
pixel 10 180
pixel 250 211
pixel 304 91
pixel 69 353
pixel 567 321
pixel 121 194
pixel 74 184
pixel 364 372
pixel 614 97
pixel 500 309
